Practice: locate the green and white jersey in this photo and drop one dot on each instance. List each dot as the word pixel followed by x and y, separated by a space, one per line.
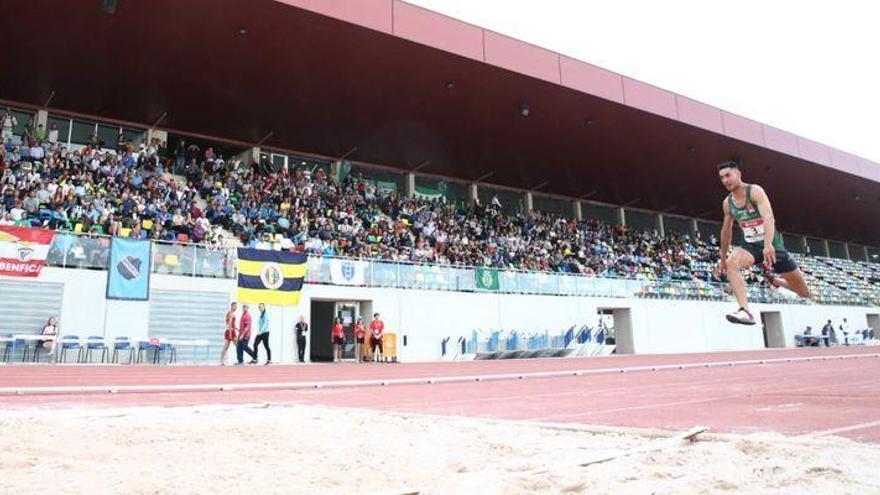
pixel 749 219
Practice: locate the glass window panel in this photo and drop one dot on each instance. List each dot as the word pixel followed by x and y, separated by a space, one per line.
pixel 81 132
pixel 63 127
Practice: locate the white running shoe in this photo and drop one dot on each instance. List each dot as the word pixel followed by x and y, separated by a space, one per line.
pixel 741 317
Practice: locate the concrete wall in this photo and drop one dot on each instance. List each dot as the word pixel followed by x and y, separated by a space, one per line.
pixel 426 317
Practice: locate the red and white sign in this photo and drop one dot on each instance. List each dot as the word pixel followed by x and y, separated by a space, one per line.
pixel 23 250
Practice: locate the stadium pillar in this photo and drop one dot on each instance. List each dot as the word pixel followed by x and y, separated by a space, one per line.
pixel 695 228
pixel 473 196
pixel 827 249
pixel 805 245
pixel 661 228
pixel 865 249
pixel 410 185
pixel 577 211
pixel 846 249
pixel 621 217
pixel 43 119
pixel 527 202
pixel 334 170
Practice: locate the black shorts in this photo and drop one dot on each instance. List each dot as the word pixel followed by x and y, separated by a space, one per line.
pixel 338 341
pixel 784 262
pixel 374 343
pixel 359 340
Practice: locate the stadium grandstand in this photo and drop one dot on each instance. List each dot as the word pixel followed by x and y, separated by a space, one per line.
pixel 463 195
pixel 490 154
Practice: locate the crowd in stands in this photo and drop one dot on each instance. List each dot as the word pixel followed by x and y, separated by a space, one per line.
pixel 127 191
pixel 309 212
pixel 195 195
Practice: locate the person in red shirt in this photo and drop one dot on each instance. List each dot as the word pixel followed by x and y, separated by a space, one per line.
pixel 229 335
pixel 338 340
pixel 376 329
pixel 360 333
pixel 244 337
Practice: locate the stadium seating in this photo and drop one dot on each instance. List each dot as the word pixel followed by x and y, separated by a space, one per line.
pixel 132 193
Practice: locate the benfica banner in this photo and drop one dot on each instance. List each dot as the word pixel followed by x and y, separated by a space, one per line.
pixel 23 250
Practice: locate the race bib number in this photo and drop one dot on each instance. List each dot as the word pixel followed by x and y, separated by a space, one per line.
pixel 753 230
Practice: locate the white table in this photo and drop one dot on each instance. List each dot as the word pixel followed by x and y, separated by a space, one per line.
pixel 195 344
pixel 30 337
pixel 35 337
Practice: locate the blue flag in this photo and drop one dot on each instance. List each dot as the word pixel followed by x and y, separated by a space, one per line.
pixel 129 271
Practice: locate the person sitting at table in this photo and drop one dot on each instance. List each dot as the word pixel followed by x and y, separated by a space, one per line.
pixel 50 328
pixel 809 339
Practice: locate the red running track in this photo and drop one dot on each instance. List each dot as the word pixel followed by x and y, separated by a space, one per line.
pixel 840 396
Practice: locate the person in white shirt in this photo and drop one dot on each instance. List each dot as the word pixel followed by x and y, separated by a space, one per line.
pixel 7 123
pixel 53 133
pixel 38 153
pixel 50 329
pixel 844 329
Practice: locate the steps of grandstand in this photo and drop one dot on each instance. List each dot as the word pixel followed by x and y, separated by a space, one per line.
pixel 232 241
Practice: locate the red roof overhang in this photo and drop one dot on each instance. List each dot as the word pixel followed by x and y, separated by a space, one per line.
pixel 328 77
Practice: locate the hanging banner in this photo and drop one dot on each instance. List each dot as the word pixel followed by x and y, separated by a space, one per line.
pixel 271 277
pixel 129 271
pixel 23 250
pixel 486 279
pixel 346 272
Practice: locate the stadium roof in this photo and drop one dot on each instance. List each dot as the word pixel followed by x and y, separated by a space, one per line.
pixel 410 88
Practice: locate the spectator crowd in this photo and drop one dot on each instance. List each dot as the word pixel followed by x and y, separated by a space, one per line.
pixel 190 194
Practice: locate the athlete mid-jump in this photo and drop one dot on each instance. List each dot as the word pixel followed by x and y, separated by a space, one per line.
pixel 749 206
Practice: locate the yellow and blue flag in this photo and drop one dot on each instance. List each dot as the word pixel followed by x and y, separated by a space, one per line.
pixel 271 277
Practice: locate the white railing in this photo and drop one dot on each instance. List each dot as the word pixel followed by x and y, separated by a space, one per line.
pixel 92 251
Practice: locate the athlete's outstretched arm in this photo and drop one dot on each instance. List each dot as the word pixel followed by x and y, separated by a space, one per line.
pixel 759 197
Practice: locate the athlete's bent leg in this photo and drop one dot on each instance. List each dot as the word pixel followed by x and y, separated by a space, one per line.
pixel 794 281
pixel 739 259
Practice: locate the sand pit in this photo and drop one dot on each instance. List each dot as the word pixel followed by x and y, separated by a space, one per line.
pixel 288 449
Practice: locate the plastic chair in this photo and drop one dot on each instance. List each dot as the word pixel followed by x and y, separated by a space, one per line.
pixel 94 343
pixel 17 343
pixel 147 346
pixel 122 344
pixel 78 228
pixel 70 342
pixel 164 346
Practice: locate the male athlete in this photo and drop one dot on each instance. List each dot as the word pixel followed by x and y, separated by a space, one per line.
pixel 749 205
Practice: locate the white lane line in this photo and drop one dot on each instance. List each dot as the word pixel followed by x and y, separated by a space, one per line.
pixel 844 429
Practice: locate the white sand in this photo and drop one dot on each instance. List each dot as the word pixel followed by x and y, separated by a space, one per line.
pixel 304 449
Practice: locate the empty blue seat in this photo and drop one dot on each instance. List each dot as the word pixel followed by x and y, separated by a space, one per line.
pixel 162 347
pixel 144 347
pixel 95 343
pixel 122 344
pixel 71 342
pixel 13 345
